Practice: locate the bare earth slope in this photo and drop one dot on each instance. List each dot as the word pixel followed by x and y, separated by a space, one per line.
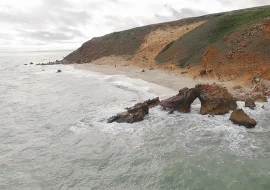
pixel 228 46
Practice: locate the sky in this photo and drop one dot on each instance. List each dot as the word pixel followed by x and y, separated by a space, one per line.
pixel 40 25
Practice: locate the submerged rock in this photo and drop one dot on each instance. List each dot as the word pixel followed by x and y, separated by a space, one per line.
pixel 215 99
pixel 239 117
pixel 58 71
pixel 250 103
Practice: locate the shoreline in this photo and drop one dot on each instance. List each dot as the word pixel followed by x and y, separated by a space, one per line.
pixel 168 79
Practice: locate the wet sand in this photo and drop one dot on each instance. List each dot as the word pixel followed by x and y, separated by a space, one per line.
pixel 167 79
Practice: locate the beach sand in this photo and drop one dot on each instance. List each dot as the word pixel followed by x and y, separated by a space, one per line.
pixel 169 79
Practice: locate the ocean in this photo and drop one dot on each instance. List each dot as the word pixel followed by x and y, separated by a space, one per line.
pixel 54 135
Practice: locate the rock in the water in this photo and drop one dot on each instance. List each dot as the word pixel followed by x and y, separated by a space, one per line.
pixel 215 99
pixel 132 115
pixel 239 117
pixel 25 64
pixel 59 71
pixel 250 103
pixel 143 70
pixel 31 63
pixel 135 113
pixel 181 102
pixel 152 102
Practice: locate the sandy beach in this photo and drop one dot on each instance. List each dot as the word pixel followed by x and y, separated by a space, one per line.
pixel 168 79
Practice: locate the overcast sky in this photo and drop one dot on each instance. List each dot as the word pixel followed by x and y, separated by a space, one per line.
pixel 29 25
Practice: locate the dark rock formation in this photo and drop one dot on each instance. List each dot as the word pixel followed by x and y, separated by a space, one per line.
pixel 135 113
pixel 250 103
pixel 31 63
pixel 63 62
pixel 143 70
pixel 239 117
pixel 25 64
pixel 59 71
pixel 181 102
pixel 152 102
pixel 215 99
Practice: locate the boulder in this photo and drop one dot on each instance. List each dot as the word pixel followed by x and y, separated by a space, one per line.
pixel 180 102
pixel 143 71
pixel 239 117
pixel 31 63
pixel 215 99
pixel 250 103
pixel 58 71
pixel 132 115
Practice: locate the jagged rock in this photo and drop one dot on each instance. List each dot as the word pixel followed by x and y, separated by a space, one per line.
pixel 59 71
pixel 132 115
pixel 239 117
pixel 152 102
pixel 250 103
pixel 215 99
pixel 181 102
pixel 135 113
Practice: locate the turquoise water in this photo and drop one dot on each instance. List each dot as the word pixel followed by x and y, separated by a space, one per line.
pixel 54 135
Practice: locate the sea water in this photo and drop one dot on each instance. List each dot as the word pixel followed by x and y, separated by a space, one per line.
pixel 54 135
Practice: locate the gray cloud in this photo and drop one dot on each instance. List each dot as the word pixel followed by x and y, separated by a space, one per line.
pixel 67 21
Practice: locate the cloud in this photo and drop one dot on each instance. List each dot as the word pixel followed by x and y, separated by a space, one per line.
pixel 69 23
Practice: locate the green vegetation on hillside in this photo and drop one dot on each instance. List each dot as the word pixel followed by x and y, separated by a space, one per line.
pixel 231 21
pixel 189 48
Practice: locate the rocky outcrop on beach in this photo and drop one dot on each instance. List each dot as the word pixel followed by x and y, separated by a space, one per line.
pixel 132 115
pixel 180 102
pixel 63 62
pixel 135 113
pixel 239 117
pixel 215 99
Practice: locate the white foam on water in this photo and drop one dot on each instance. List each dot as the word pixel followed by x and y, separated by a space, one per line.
pixel 121 81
